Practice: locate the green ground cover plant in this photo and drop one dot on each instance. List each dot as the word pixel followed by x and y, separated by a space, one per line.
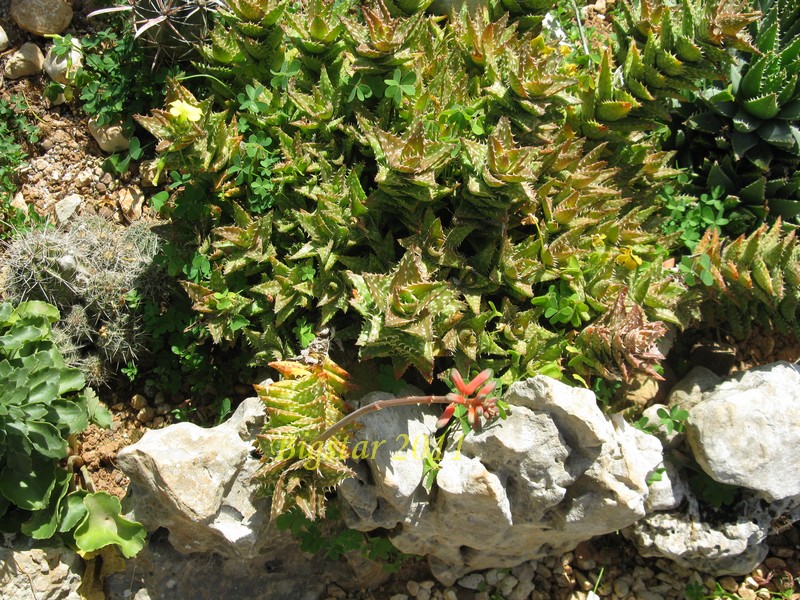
pixel 44 405
pixel 18 133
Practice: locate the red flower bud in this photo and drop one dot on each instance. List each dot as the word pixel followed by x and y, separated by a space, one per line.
pixel 446 416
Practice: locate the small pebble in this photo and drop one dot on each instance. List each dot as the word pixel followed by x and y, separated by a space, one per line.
pixel 335 591
pixel 783 552
pixel 775 564
pixel 522 591
pixel 471 581
pixel 413 588
pixel 621 587
pixel 146 414
pixel 585 564
pixel 746 593
pixel 524 572
pixel 728 584
pixel 450 594
pixel 138 401
pixel 157 422
pixel 583 581
pixel 492 576
pixel 763 594
pixel 424 594
pixel 507 584
pixel 427 584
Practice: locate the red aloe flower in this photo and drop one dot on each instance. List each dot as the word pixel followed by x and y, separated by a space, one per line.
pixel 473 395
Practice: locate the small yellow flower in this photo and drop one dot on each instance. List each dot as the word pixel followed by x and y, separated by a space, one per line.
pixel 628 259
pixel 184 110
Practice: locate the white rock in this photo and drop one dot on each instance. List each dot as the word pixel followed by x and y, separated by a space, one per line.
pixel 19 202
pixel 109 137
pixel 4 44
pixel 59 69
pixel 67 206
pixel 131 202
pixel 41 17
pixel 198 483
pixel 48 572
pixel 667 492
pixel 746 433
pixel 28 60
pixel 555 473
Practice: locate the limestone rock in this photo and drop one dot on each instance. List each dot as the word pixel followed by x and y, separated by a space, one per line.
pixel 59 69
pixel 668 491
pixel 45 572
pixel 4 43
pixel 555 473
pixel 198 484
pixel 689 390
pixel 745 432
pixel 159 572
pixel 41 17
pixel 733 547
pixel 67 206
pixel 28 60
pixel 109 137
pixel 130 200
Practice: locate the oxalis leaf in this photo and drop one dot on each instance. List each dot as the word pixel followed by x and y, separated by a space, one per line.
pixel 103 525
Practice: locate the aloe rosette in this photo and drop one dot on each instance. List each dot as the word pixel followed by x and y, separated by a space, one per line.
pixel 745 137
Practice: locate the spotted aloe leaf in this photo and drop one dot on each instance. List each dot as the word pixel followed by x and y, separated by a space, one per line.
pixel 300 407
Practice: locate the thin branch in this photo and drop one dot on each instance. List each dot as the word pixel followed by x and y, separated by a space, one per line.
pixel 580 27
pixel 378 405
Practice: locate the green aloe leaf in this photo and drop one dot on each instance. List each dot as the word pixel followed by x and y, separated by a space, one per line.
pixel 790 111
pixel 71 380
pixel 778 134
pixel 763 107
pixel 103 525
pixel 612 110
pixel 72 511
pixel 754 192
pixel 742 142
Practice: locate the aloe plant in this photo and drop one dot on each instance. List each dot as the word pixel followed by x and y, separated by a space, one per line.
pixel 744 137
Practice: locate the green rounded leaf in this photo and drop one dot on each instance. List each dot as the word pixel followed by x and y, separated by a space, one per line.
pixel 30 491
pixel 103 525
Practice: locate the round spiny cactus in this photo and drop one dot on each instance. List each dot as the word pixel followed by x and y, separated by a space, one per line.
pixel 121 340
pixel 171 27
pixel 42 265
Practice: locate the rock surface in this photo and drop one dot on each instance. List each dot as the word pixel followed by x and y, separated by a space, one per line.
pixel 66 207
pixel 745 432
pixel 735 546
pixel 47 573
pixel 110 137
pixel 41 17
pixel 555 473
pixel 60 68
pixel 197 483
pixel 28 60
pixel 159 572
pixel 4 43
